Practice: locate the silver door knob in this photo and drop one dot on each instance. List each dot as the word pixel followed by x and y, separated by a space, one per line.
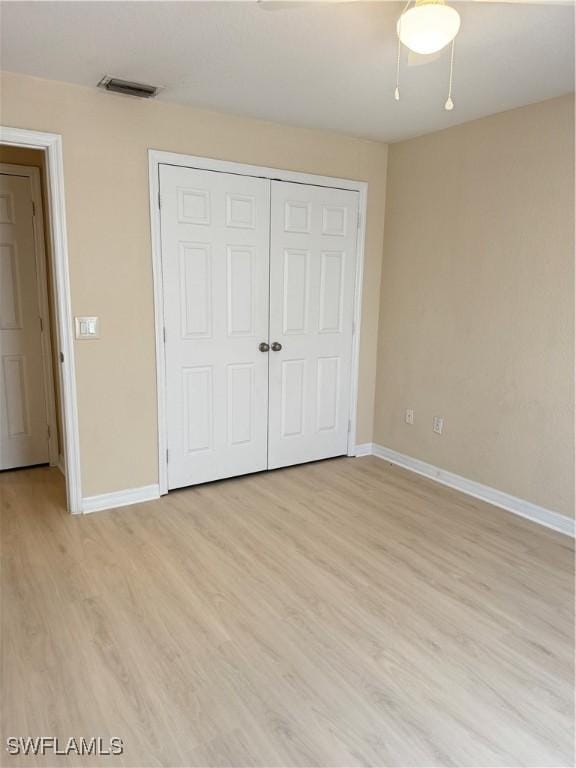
pixel 276 346
pixel 264 347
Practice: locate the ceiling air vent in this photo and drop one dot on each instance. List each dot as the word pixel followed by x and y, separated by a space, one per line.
pixel 128 88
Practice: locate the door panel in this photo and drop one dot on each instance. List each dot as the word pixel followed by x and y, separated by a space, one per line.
pixel 295 291
pixel 332 266
pixel 241 274
pixel 292 397
pixel 23 420
pixel 215 262
pixel 328 393
pixel 312 285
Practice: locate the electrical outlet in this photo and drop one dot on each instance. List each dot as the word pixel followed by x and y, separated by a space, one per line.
pixel 438 424
pixel 409 416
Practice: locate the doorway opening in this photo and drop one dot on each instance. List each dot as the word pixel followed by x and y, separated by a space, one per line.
pixel 30 425
pixel 38 413
pixel 262 269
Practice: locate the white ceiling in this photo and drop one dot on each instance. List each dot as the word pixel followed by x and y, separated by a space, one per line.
pixel 323 65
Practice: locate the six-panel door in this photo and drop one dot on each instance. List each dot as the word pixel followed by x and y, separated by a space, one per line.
pixel 215 259
pixel 23 420
pixel 312 286
pixel 248 263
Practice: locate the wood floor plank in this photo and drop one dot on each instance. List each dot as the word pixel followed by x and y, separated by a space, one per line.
pixel 342 613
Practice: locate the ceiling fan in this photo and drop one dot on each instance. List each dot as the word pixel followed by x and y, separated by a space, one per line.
pixel 284 4
pixel 424 27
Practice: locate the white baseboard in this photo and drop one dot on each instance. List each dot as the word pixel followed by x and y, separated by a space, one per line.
pixel 120 498
pixel 521 507
pixel 364 449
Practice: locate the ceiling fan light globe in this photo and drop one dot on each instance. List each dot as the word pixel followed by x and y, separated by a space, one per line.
pixel 426 29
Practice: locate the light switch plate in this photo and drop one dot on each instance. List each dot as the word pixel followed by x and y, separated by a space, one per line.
pixel 87 327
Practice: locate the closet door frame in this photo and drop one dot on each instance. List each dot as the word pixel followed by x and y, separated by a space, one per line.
pixel 157 158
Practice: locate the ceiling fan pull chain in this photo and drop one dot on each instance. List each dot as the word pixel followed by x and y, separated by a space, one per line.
pixel 449 105
pixel 399 29
pixel 397 89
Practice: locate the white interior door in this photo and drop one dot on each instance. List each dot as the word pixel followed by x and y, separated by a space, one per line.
pixel 23 418
pixel 312 287
pixel 215 269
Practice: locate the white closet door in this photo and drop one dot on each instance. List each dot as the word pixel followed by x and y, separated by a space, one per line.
pixel 23 421
pixel 312 285
pixel 215 265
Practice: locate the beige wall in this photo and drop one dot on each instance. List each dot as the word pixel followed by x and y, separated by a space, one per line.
pixel 476 320
pixel 105 140
pixel 476 291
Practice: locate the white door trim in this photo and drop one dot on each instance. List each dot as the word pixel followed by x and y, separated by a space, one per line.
pixel 33 174
pixel 51 143
pixel 157 157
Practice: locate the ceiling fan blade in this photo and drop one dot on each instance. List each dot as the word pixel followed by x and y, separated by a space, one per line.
pixel 284 5
pixel 278 5
pixel 521 2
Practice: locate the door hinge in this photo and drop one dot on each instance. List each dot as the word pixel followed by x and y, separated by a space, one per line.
pixel 49 431
pixel 359 221
pixel 349 426
pixel 41 324
pixel 33 208
pixel 159 200
pixel 166 455
pixel 164 334
pixel 61 357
